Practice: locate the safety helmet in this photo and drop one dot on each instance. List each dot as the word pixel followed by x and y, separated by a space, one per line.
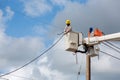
pixel 67 22
pixel 90 29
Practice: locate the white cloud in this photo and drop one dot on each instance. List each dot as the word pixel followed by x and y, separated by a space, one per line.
pixel 43 60
pixel 36 8
pixel 103 14
pixel 5 16
pixel 16 51
pixel 60 64
pixel 42 30
pixel 45 72
pixel 9 14
pixel 21 74
pixel 52 74
pixel 104 61
pixel 60 2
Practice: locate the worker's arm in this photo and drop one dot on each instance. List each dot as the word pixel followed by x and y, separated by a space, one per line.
pixel 67 29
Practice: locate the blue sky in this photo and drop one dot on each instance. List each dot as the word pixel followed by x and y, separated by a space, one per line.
pixel 28 27
pixel 22 24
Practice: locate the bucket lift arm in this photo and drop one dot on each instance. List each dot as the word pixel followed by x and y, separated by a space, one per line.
pixel 97 40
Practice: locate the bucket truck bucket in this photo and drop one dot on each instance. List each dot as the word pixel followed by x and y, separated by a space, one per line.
pixel 72 42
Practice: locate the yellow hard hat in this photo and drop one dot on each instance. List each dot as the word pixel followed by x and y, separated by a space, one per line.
pixel 67 21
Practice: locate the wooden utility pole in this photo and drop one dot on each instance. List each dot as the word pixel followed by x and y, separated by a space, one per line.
pixel 88 67
pixel 74 40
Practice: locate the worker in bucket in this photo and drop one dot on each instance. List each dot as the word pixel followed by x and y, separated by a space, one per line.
pixel 98 32
pixel 68 27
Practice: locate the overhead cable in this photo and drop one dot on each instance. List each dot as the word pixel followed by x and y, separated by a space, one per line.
pixel 21 77
pixel 112 47
pixel 33 59
pixel 80 68
pixel 110 55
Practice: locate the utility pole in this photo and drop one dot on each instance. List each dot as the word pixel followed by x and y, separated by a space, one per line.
pixel 74 40
pixel 88 67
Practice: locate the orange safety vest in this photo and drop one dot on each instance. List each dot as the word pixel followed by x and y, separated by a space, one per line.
pixel 97 32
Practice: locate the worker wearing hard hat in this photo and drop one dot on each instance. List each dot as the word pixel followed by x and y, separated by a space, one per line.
pixel 68 27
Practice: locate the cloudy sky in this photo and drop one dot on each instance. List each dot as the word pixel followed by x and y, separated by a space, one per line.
pixel 28 27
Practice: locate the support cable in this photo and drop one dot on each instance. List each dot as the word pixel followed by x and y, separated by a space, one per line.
pixel 21 77
pixel 112 44
pixel 112 47
pixel 110 55
pixel 33 59
pixel 79 70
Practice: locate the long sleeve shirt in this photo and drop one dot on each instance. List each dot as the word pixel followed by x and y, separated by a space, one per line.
pixel 67 29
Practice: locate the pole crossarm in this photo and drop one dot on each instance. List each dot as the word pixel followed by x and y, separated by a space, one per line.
pixel 97 40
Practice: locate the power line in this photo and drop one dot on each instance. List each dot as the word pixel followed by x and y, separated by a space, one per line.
pixel 110 55
pixel 79 71
pixel 112 47
pixel 32 59
pixel 21 77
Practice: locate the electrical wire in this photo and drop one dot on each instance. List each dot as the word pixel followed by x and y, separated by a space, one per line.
pixel 110 55
pixel 79 71
pixel 21 77
pixel 33 59
pixel 112 47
